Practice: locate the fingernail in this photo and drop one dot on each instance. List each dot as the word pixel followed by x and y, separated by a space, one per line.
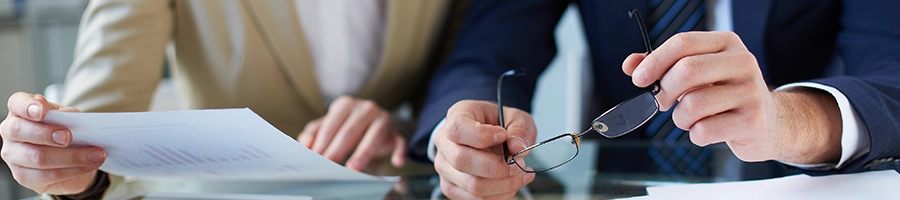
pixel 61 137
pixel 97 156
pixel 34 111
pixel 499 137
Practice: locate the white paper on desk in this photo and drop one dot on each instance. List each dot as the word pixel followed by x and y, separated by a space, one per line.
pixel 204 144
pixel 867 185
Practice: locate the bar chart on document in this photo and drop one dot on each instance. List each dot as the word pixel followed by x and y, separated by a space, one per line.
pixel 209 144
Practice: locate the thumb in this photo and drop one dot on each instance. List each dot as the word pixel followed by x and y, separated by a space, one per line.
pixel 521 130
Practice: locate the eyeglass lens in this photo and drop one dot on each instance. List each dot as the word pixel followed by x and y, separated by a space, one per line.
pixel 548 154
pixel 626 116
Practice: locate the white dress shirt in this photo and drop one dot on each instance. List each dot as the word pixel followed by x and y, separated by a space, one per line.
pixel 345 39
pixel 855 139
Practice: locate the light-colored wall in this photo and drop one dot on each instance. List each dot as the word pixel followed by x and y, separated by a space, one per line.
pixel 558 101
pixel 36 49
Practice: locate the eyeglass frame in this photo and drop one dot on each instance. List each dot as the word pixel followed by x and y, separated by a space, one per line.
pixel 596 125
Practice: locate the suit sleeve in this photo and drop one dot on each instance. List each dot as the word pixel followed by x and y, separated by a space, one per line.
pixel 119 55
pixel 869 44
pixel 497 36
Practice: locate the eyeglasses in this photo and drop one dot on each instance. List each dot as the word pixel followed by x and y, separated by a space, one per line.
pixel 617 121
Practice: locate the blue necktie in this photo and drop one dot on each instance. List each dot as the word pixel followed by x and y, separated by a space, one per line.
pixel 671 147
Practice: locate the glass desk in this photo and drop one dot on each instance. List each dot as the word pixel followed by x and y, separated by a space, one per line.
pixel 579 179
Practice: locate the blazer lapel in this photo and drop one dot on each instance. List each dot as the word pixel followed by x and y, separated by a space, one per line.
pixel 406 25
pixel 749 20
pixel 279 25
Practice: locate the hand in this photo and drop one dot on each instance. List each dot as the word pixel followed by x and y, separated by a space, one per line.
pixel 355 125
pixel 39 155
pixel 470 157
pixel 723 98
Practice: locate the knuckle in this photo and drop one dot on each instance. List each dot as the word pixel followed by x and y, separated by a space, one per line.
pixel 458 162
pixel 439 165
pixel 682 41
pixel 474 186
pixel 746 57
pixel 698 134
pixel 341 102
pixel 12 98
pixel 5 152
pixel 36 156
pixel 680 119
pixel 732 36
pixel 452 131
pixel 78 159
pixel 368 106
pixel 53 174
pixel 11 128
pixel 688 67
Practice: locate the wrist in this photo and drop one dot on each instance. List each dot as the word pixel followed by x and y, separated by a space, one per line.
pixel 810 124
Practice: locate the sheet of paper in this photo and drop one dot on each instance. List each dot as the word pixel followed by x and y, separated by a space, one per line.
pixel 200 144
pixel 867 185
pixel 218 196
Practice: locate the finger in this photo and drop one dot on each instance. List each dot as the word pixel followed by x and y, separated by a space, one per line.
pixel 718 128
pixel 21 130
pixel 360 122
pixel 33 178
pixel 705 102
pixel 481 186
pixel 521 130
pixel 46 157
pixel 371 145
pixel 703 70
pixel 677 47
pixel 337 113
pixel 467 131
pixel 309 133
pixel 26 106
pixel 455 192
pixel 398 158
pixel 472 123
pixel 54 106
pixel 489 163
pixel 631 62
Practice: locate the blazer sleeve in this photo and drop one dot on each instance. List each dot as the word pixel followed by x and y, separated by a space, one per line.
pixel 119 55
pixel 869 44
pixel 497 36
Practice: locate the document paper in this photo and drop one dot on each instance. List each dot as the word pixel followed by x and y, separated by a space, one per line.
pixel 204 144
pixel 867 185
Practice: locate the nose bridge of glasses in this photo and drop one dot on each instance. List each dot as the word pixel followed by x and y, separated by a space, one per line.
pixel 626 116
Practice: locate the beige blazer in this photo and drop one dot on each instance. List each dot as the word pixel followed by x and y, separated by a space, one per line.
pixel 233 54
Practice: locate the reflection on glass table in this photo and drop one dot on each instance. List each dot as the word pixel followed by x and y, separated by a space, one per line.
pixel 583 178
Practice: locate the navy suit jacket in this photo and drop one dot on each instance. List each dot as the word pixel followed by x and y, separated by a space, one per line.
pixel 793 41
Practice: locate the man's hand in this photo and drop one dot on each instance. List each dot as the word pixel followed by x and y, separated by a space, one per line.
pixel 358 126
pixel 39 155
pixel 470 157
pixel 723 98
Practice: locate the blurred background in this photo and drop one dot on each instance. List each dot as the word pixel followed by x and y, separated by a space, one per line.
pixel 37 39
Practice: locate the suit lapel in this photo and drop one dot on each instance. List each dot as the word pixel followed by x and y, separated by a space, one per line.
pixel 405 27
pixel 749 20
pixel 288 44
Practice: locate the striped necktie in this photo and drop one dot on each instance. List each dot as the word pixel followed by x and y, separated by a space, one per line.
pixel 672 150
pixel 669 17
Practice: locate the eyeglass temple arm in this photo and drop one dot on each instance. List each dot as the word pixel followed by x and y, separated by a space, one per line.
pixel 512 72
pixel 654 88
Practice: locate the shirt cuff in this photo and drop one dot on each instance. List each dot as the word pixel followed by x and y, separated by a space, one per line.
pixel 432 150
pixel 855 139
